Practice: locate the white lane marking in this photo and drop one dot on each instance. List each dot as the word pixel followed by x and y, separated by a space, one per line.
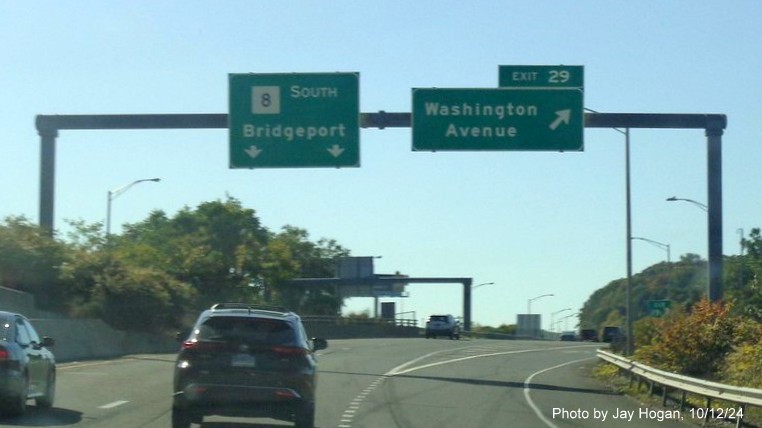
pixel 403 368
pixel 527 388
pixel 348 416
pixel 112 405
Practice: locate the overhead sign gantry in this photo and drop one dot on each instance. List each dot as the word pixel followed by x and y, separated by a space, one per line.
pixel 284 100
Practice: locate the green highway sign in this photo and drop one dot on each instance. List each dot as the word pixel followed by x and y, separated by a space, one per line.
pixel 498 119
pixel 657 308
pixel 294 120
pixel 541 76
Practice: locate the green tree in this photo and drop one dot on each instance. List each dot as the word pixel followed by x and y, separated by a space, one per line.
pixel 140 299
pixel 743 277
pixel 682 282
pixel 30 261
pixel 217 248
pixel 292 255
pixel 86 259
pixel 167 266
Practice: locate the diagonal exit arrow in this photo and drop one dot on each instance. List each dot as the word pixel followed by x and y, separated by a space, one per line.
pixel 336 151
pixel 562 116
pixel 253 151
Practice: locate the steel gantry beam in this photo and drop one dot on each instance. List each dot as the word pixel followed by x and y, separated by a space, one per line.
pixel 48 127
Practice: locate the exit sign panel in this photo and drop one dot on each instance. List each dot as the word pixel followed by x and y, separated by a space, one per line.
pixel 541 76
pixel 498 119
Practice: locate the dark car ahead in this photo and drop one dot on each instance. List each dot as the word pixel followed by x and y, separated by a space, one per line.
pixel 27 367
pixel 246 361
pixel 588 335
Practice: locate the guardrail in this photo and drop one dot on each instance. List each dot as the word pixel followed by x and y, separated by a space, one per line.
pixel 327 319
pixel 710 390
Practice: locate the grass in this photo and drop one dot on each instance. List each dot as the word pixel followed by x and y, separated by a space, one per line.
pixel 620 381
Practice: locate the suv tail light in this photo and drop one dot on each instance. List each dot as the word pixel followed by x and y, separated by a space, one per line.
pixel 201 346
pixel 289 351
pixel 4 354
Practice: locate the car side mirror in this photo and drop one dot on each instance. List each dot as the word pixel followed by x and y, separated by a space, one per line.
pixel 48 342
pixel 319 344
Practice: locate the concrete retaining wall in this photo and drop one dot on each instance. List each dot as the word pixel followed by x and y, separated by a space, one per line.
pixel 16 301
pixel 81 339
pixel 23 303
pixel 78 339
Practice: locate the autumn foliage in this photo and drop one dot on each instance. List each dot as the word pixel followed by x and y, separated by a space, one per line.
pixel 706 340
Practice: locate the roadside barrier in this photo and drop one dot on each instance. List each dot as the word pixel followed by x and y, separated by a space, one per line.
pixel 709 390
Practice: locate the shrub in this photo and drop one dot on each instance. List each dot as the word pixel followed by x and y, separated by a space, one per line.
pixel 141 299
pixel 693 342
pixel 743 366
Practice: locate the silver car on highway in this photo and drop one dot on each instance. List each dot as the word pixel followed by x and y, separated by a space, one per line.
pixel 442 325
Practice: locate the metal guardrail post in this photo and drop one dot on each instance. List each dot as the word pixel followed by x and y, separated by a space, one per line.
pixel 742 396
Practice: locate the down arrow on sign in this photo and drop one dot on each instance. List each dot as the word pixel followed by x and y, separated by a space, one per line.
pixel 336 151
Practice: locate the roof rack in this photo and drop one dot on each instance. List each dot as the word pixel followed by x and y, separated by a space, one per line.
pixel 250 307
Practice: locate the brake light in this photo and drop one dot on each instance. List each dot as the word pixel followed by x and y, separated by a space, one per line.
pixel 200 345
pixel 289 351
pixel 286 393
pixel 4 354
pixel 203 345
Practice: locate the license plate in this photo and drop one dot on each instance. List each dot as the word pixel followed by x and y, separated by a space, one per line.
pixel 243 360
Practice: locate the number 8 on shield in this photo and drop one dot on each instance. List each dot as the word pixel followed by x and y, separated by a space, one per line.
pixel 265 99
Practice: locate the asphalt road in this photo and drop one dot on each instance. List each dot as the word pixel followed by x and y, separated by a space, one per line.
pixel 376 383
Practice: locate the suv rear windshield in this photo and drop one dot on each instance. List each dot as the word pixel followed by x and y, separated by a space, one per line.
pixel 442 318
pixel 254 331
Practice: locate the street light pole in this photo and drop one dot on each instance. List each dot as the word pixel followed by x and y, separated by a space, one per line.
pixel 629 345
pixel 113 194
pixel 628 291
pixel 703 207
pixel 566 324
pixel 714 289
pixel 553 315
pixel 658 244
pixel 529 302
pixel 479 285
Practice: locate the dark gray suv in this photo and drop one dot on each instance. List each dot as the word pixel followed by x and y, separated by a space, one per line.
pixel 442 325
pixel 246 361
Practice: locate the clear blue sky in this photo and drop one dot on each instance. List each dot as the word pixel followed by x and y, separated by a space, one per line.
pixel 533 223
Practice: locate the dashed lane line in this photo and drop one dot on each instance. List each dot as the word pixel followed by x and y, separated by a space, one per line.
pixel 113 404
